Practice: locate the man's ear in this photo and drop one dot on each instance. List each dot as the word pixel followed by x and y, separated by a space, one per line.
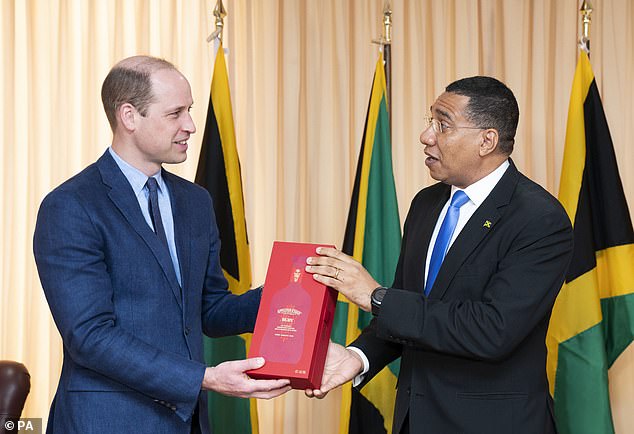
pixel 127 116
pixel 489 143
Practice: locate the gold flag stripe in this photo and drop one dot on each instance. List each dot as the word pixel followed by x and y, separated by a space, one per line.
pixel 574 161
pixel 224 118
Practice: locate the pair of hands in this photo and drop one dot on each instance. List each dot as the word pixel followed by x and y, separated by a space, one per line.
pixel 341 272
pixel 230 378
pixel 332 268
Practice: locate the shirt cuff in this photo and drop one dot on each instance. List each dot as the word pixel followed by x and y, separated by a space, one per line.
pixel 366 366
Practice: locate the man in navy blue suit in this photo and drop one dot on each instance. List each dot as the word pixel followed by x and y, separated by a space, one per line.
pixel 127 254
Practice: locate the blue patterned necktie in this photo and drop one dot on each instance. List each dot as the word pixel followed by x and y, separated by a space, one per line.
pixel 155 212
pixel 444 236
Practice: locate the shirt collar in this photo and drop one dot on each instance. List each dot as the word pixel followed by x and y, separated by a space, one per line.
pixel 480 190
pixel 135 177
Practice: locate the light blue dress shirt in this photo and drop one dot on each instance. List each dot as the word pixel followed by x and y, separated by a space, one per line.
pixel 137 180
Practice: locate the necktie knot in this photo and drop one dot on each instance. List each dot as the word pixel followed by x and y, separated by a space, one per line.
pixel 459 198
pixel 152 185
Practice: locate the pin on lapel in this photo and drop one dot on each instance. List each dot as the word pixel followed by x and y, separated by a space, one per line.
pixel 487 224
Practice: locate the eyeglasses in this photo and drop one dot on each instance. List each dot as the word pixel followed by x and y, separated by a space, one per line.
pixel 440 127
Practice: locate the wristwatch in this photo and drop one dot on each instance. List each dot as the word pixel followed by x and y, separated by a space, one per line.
pixel 376 298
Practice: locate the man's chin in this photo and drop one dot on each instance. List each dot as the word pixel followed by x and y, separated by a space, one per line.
pixel 435 174
pixel 176 159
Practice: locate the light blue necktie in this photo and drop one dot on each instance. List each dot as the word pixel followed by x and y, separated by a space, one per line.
pixel 444 236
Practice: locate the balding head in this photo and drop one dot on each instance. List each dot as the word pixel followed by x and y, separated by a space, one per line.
pixel 129 81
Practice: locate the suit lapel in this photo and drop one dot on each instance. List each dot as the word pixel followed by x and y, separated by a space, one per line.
pixel 477 228
pixel 425 229
pixel 122 196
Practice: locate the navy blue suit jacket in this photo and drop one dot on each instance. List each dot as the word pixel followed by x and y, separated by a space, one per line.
pixel 133 339
pixel 474 352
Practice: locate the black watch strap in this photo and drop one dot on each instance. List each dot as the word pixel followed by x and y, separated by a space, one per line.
pixel 376 298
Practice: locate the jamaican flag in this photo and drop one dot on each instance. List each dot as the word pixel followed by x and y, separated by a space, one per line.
pixel 593 318
pixel 219 172
pixel 372 237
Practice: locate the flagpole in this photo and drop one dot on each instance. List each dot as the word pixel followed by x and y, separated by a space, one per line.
pixel 386 43
pixel 219 173
pixel 219 13
pixel 585 11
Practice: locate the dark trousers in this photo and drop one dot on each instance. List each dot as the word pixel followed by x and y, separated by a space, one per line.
pixel 195 423
pixel 405 427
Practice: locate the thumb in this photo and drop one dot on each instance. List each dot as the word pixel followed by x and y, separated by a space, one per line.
pixel 252 363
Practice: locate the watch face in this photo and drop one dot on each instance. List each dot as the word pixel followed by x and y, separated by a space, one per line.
pixel 376 298
pixel 377 295
pixel 380 294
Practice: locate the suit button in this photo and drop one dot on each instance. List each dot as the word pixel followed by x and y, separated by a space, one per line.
pixel 187 330
pixel 173 407
pixel 408 391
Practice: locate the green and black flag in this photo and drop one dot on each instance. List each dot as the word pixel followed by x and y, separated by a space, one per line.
pixel 219 172
pixel 593 318
pixel 373 237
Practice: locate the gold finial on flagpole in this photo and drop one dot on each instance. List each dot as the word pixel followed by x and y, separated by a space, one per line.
pixel 586 11
pixel 220 13
pixel 386 38
pixel 385 41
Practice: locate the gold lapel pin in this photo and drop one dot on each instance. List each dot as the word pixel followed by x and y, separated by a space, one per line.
pixel 487 224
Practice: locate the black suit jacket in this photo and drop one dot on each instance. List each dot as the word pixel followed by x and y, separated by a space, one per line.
pixel 473 352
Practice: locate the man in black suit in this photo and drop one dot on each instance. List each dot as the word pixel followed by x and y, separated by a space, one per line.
pixel 483 257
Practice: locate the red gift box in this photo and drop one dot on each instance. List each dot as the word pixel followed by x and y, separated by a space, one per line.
pixel 295 318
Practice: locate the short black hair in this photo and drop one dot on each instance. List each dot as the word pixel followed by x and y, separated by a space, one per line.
pixel 491 105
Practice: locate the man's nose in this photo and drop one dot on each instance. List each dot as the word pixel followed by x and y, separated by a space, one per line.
pixel 189 125
pixel 428 136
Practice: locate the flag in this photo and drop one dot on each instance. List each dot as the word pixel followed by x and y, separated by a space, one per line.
pixel 372 237
pixel 219 172
pixel 593 318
